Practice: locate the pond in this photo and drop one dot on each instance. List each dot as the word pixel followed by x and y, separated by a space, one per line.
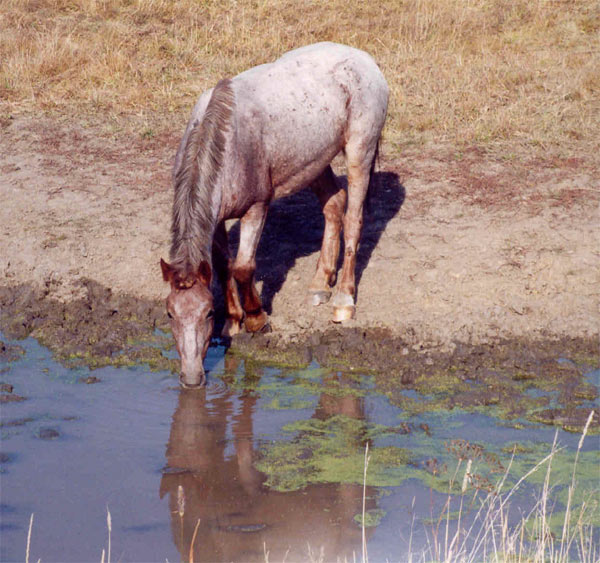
pixel 265 464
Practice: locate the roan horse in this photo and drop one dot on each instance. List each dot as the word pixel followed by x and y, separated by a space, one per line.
pixel 264 134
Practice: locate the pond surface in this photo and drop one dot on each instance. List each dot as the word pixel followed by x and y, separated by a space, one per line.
pixel 266 464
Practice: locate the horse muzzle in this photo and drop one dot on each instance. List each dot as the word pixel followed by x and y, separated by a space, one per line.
pixel 196 382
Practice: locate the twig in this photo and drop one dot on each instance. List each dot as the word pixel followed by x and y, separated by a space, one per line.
pixel 29 538
pixel 365 557
pixel 109 525
pixel 191 559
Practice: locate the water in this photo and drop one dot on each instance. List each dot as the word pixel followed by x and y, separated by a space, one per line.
pixel 266 464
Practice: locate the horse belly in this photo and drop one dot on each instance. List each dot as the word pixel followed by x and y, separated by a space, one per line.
pixel 301 143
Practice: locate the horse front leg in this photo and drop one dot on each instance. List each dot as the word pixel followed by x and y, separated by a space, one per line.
pixel 223 266
pixel 332 198
pixel 244 267
pixel 358 183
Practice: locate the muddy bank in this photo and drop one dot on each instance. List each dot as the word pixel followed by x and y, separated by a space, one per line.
pixel 458 245
pixel 534 380
pixel 105 328
pixel 100 328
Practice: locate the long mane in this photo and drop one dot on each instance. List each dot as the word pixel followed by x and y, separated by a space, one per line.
pixel 194 216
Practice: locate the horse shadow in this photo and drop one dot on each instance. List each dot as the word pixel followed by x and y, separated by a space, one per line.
pixel 294 229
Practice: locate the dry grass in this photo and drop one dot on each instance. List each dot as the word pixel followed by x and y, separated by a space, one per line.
pixel 490 537
pixel 470 71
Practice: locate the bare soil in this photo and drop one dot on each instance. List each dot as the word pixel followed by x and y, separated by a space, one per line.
pixel 458 246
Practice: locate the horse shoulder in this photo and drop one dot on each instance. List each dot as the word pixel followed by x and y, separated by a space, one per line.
pixel 246 177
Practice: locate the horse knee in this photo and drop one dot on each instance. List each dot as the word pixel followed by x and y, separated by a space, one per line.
pixel 243 273
pixel 333 213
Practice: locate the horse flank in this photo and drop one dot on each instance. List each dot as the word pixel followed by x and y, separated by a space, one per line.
pixel 194 217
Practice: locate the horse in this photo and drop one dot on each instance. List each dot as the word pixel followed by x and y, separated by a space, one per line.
pixel 264 134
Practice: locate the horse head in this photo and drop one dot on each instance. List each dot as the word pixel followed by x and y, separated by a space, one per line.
pixel 190 309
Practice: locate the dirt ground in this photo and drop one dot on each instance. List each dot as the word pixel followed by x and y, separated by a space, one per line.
pixel 459 246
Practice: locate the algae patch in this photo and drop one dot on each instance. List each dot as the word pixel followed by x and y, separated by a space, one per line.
pixel 372 518
pixel 540 390
pixel 331 451
pixel 293 389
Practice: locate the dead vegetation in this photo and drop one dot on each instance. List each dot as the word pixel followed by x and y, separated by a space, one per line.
pixel 514 73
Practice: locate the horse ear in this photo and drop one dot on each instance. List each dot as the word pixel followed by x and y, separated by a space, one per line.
pixel 167 271
pixel 204 273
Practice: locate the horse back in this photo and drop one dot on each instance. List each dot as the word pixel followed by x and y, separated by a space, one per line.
pixel 291 118
pixel 300 111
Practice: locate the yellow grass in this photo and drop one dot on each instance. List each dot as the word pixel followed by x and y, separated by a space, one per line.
pixel 468 71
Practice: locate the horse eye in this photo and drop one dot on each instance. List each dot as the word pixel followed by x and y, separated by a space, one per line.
pixel 169 315
pixel 210 314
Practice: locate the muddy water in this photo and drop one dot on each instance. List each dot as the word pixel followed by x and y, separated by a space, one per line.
pixel 265 464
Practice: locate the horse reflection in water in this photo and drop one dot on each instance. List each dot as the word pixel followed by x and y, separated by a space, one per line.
pixel 222 494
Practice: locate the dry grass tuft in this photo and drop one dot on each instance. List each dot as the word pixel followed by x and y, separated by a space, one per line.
pixel 467 71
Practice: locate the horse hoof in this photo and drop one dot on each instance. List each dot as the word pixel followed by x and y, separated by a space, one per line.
pixel 319 297
pixel 231 328
pixel 254 323
pixel 343 313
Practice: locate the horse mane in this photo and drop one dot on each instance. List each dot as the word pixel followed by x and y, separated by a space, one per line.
pixel 193 222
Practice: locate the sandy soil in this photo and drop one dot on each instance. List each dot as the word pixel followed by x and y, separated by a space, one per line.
pixel 457 246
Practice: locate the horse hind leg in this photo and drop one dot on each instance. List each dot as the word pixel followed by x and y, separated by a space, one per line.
pixel 359 164
pixel 332 198
pixel 244 267
pixel 223 266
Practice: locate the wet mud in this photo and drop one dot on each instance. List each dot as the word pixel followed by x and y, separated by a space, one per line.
pixel 101 328
pixel 540 381
pixel 537 380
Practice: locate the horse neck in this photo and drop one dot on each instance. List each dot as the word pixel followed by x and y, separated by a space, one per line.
pixel 193 234
pixel 198 181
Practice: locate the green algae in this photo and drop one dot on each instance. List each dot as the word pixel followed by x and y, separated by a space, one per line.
pixel 289 388
pixel 152 358
pixel 289 403
pixel 517 448
pixel 548 400
pixel 439 384
pixel 257 347
pixel 373 517
pixel 331 451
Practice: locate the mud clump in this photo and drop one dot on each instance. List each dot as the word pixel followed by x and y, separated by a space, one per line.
pixel 101 328
pixel 10 398
pixel 48 433
pixel 89 380
pixel 9 353
pixel 7 396
pixel 367 350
